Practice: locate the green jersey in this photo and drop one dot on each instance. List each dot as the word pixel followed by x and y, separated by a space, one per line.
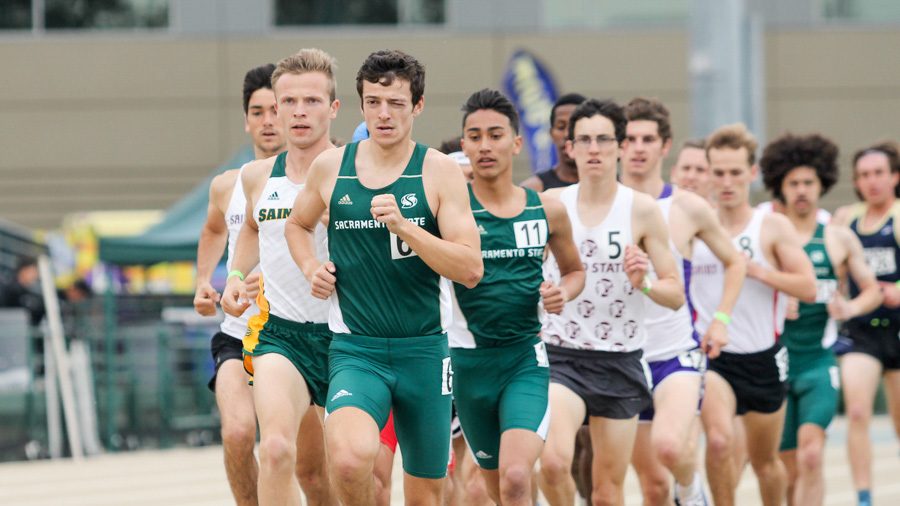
pixel 808 337
pixel 383 288
pixel 503 307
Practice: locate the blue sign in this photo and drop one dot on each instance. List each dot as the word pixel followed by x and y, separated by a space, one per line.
pixel 530 87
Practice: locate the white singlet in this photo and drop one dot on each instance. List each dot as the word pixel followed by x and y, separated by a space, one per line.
pixel 669 333
pixel 236 327
pixel 754 319
pixel 609 313
pixel 285 288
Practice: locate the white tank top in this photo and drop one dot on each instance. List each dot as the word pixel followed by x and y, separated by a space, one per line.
pixel 754 319
pixel 285 288
pixel 669 333
pixel 609 313
pixel 234 219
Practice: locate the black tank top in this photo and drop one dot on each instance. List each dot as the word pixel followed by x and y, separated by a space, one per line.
pixel 551 180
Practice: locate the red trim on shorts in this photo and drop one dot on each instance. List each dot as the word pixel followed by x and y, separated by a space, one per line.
pixel 388 435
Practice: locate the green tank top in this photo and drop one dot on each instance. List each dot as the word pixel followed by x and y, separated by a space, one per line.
pixel 503 308
pixel 383 288
pixel 805 338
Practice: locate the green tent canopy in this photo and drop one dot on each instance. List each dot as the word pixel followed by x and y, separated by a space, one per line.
pixel 175 237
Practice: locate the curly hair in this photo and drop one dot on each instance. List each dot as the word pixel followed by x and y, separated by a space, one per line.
pixel 790 151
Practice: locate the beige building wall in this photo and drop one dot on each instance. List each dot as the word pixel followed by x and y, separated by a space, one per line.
pixel 94 122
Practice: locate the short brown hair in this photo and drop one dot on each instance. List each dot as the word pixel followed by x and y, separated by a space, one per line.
pixel 699 143
pixel 384 66
pixel 308 60
pixel 650 109
pixel 887 148
pixel 734 136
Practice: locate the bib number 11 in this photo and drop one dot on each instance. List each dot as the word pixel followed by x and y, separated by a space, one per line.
pixel 531 233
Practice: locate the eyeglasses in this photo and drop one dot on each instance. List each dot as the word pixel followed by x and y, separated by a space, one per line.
pixel 602 141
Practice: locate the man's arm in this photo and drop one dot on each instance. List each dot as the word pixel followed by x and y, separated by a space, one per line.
pixel 300 229
pixel 653 237
pixel 795 275
pixel 213 238
pixel 869 297
pixel 710 231
pixel 246 250
pixel 567 258
pixel 456 255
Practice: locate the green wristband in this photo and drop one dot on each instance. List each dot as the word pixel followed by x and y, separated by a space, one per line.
pixel 647 286
pixel 722 317
pixel 239 274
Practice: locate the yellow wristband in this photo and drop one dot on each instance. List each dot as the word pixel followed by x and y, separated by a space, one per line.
pixel 239 274
pixel 722 317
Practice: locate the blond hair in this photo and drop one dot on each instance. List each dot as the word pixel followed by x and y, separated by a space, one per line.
pixel 734 136
pixel 308 60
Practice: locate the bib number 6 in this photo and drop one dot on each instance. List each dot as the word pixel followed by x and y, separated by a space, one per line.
pixel 399 248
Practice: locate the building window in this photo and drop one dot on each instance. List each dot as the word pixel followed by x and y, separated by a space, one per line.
pixel 15 14
pixel 358 12
pixel 79 14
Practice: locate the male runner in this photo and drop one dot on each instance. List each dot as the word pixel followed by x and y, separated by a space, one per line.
pixel 594 344
pixel 290 352
pixel 501 372
pixel 224 217
pixel 798 170
pixel 875 351
pixel 399 221
pixel 674 351
pixel 748 378
pixel 691 169
pixel 564 173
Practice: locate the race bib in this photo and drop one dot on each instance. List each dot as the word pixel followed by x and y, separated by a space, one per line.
pixel 825 289
pixel 881 260
pixel 530 233
pixel 447 377
pixel 399 248
pixel 540 352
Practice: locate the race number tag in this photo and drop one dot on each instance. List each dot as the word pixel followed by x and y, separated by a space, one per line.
pixel 399 248
pixel 540 352
pixel 531 233
pixel 695 359
pixel 447 377
pixel 825 288
pixel 881 260
pixel 781 362
pixel 835 377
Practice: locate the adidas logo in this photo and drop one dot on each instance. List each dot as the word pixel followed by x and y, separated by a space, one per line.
pixel 481 454
pixel 345 201
pixel 339 394
pixel 481 230
pixel 273 196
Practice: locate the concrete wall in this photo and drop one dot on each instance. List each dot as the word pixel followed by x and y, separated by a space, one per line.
pixel 132 122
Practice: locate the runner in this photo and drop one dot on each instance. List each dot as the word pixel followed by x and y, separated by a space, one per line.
pixel 748 378
pixel 287 344
pixel 224 217
pixel 798 170
pixel 501 371
pixel 676 354
pixel 399 222
pixel 594 345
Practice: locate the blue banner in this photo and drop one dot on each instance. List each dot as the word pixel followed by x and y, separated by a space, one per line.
pixel 529 86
